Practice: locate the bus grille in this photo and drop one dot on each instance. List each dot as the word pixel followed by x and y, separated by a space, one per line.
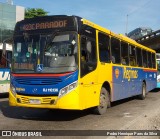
pixel 25 100
pixel 39 81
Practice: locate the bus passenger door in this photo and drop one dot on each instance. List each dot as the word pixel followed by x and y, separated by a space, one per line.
pixel 88 72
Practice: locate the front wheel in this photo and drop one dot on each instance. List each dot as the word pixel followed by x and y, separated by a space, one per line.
pixel 104 102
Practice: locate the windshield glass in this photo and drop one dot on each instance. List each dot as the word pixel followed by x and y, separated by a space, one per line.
pixel 60 55
pixel 55 53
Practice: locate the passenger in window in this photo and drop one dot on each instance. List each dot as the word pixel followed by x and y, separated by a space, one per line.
pixel 84 61
pixel 89 51
pixel 132 61
pixel 113 59
pixel 83 56
pixel 104 56
pixel 124 61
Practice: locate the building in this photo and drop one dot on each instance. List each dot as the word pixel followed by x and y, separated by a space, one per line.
pixel 9 15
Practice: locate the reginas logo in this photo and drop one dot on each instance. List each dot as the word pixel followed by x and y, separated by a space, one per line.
pixel 117 73
pixel 128 74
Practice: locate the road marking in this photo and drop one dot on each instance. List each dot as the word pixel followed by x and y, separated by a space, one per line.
pixel 127 115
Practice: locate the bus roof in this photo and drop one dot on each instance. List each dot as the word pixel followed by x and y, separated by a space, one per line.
pixel 119 36
pixel 44 19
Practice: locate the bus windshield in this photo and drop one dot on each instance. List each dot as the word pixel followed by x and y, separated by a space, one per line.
pixel 158 65
pixel 55 53
pixel 158 70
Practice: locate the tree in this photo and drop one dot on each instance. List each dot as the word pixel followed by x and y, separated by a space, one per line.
pixel 34 12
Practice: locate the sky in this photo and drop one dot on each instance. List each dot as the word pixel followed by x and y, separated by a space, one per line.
pixel 119 16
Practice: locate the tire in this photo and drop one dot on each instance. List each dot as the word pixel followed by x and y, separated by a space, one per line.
pixel 104 102
pixel 142 96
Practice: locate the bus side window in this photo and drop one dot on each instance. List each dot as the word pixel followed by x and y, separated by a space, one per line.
pixel 88 56
pixel 124 53
pixel 9 58
pixel 88 50
pixel 115 49
pixel 104 47
pixel 153 60
pixel 145 59
pixel 149 60
pixel 139 57
pixel 2 60
pixel 132 55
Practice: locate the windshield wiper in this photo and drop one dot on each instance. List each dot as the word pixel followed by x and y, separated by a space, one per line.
pixel 52 36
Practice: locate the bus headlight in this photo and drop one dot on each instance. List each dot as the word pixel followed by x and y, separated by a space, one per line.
pixel 13 90
pixel 67 89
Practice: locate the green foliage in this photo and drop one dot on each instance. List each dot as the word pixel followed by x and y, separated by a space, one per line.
pixel 34 12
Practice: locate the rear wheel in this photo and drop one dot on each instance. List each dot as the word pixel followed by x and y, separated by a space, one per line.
pixel 104 102
pixel 142 96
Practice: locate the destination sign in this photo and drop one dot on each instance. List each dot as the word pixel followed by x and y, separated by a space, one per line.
pixel 44 25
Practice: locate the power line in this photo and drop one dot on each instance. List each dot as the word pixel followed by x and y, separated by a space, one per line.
pixel 138 8
pixel 132 12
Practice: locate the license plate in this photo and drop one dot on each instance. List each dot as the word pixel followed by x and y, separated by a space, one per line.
pixel 35 101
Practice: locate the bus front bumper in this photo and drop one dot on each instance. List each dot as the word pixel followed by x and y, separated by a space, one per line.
pixel 68 101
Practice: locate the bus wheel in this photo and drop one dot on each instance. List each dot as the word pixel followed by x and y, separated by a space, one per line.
pixel 104 102
pixel 143 94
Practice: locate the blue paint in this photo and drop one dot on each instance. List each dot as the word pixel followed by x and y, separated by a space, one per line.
pixel 42 85
pixel 4 74
pixel 127 82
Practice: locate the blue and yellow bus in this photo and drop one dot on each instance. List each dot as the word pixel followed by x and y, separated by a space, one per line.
pixel 68 62
pixel 158 69
pixel 5 68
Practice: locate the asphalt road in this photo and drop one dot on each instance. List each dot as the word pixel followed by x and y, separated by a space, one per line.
pixel 128 114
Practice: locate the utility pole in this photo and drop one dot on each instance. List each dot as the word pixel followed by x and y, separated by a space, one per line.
pixel 127 25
